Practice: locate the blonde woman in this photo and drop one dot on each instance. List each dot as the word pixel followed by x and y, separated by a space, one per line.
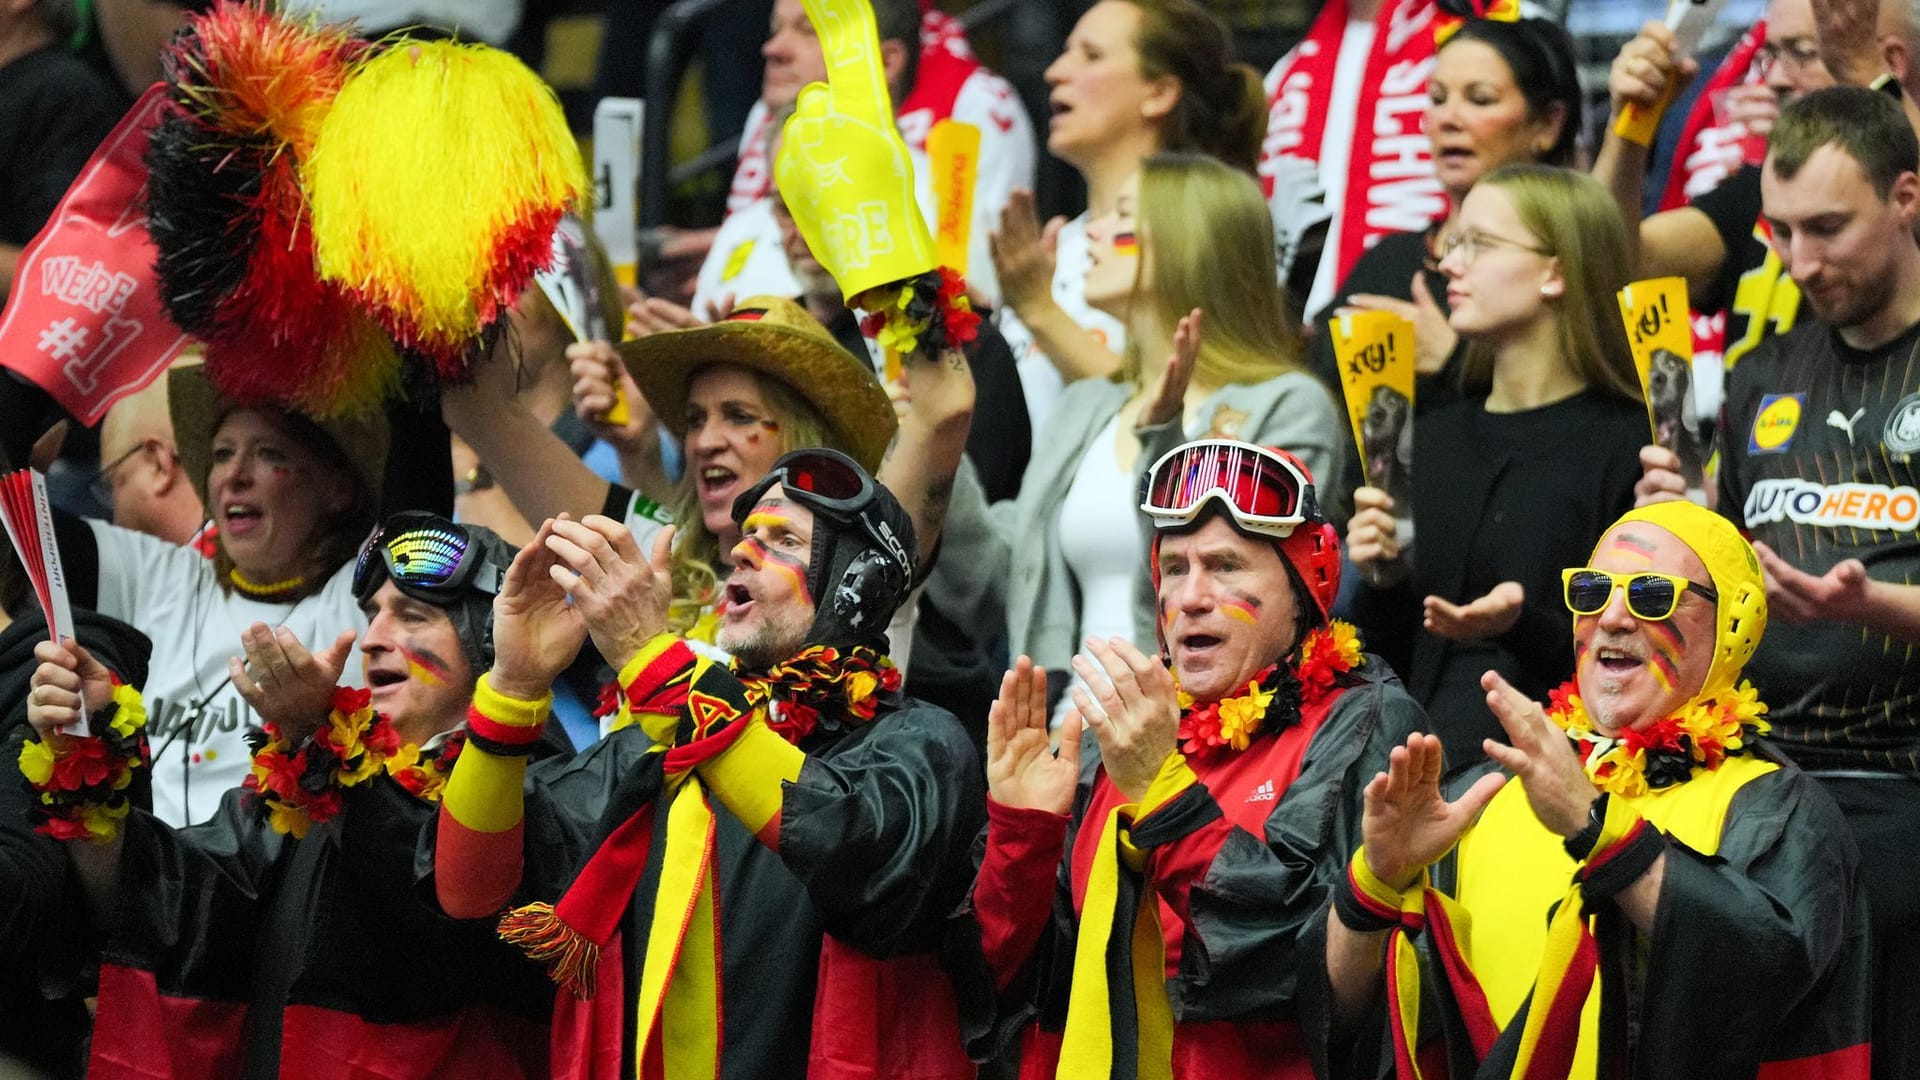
pixel 740 392
pixel 1209 352
pixel 1520 477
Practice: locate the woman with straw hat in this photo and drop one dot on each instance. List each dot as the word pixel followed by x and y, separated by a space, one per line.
pixel 765 380
pixel 290 500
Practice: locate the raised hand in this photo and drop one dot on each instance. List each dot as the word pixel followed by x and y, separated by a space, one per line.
pixel 1024 770
pixel 1024 253
pixel 658 315
pixel 1433 337
pixel 622 595
pixel 1407 823
pixel 1839 595
pixel 599 379
pixel 1849 35
pixel 1645 67
pixel 1170 394
pixel 536 632
pixel 67 675
pixel 1373 541
pixel 843 169
pixel 1132 709
pixel 287 685
pixel 1541 756
pixel 1488 616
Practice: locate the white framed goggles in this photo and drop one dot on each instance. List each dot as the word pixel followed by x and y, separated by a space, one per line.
pixel 1265 491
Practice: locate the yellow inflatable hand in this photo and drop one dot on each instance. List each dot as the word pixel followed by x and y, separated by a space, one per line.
pixel 843 168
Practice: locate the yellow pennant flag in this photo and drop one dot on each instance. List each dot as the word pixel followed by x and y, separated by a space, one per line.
pixel 1660 332
pixel 1375 353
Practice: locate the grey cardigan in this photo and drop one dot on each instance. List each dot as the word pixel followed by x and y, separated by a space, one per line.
pixel 1022 568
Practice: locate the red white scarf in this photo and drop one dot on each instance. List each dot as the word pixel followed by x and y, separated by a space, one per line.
pixel 1390 187
pixel 1707 153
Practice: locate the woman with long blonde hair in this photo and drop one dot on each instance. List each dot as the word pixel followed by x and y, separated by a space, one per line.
pixel 1519 478
pixel 1210 352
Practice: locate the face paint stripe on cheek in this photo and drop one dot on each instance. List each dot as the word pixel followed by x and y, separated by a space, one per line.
pixel 1243 608
pixel 425 666
pixel 793 571
pixel 1666 635
pixel 1663 672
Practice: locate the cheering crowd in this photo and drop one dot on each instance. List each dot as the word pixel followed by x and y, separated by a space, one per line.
pixel 1032 659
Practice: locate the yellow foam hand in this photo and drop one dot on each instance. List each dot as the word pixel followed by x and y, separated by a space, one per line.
pixel 843 168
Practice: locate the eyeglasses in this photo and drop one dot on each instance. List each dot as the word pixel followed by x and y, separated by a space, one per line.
pixel 1264 491
pixel 1794 54
pixel 1472 242
pixel 830 483
pixel 101 486
pixel 426 556
pixel 1651 597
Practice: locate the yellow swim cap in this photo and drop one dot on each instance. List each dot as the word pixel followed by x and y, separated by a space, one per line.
pixel 1735 570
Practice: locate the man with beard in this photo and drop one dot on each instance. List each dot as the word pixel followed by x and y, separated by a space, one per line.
pixel 1821 426
pixel 757 873
pixel 1713 925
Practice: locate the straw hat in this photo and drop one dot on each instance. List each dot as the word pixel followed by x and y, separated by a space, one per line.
pixel 198 408
pixel 777 337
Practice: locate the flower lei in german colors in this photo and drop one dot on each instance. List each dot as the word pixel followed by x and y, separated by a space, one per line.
pixel 83 791
pixel 931 310
pixel 1275 694
pixel 850 681
pixel 424 772
pixel 1666 752
pixel 300 787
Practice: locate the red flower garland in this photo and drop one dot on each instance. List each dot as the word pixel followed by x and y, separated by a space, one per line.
pixel 821 676
pixel 80 792
pixel 1326 653
pixel 301 787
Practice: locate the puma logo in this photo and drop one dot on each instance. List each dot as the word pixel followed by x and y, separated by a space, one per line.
pixel 1845 423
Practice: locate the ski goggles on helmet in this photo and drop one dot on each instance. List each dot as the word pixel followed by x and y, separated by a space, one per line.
pixel 1265 491
pixel 427 556
pixel 1651 597
pixel 830 483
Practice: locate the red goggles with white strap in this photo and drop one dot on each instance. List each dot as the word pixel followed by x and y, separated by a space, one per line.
pixel 1266 492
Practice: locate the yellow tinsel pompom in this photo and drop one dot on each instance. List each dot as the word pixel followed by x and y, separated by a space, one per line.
pixel 436 182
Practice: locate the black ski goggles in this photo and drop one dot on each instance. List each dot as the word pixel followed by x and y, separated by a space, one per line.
pixel 1652 597
pixel 830 483
pixel 426 556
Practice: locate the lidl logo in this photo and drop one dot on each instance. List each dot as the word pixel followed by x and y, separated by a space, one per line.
pixel 1774 425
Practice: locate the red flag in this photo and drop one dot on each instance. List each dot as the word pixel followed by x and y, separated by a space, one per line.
pixel 85 321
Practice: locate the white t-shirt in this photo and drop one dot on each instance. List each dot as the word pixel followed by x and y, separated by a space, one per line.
pixel 1039 379
pixel 1007 161
pixel 1100 540
pixel 168 592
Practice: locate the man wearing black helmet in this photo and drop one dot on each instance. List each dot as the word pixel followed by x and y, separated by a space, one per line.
pixel 282 938
pixel 771 851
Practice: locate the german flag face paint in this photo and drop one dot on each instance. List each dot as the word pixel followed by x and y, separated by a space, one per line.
pixel 1244 609
pixel 1126 243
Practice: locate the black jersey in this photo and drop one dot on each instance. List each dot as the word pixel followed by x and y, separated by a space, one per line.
pixel 1753 288
pixel 1817 462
